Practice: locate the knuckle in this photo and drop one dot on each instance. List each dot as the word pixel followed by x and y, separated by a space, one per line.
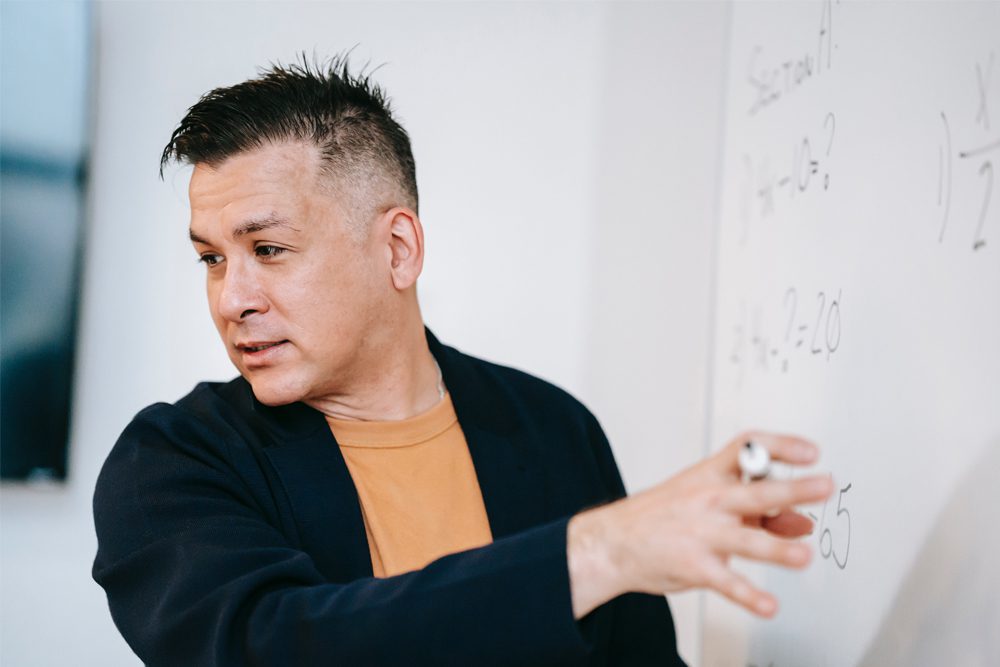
pixel 715 499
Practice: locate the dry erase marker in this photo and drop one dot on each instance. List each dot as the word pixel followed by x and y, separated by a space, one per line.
pixel 755 461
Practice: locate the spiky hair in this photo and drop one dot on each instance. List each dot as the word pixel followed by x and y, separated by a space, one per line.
pixel 347 116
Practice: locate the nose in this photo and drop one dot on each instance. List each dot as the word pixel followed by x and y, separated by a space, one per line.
pixel 240 294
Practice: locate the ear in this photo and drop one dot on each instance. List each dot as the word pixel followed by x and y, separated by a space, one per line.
pixel 406 247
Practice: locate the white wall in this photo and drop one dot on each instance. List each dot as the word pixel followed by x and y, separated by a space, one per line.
pixel 567 165
pixel 652 256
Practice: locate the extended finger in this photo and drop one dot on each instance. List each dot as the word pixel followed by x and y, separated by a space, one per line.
pixel 765 496
pixel 786 448
pixel 758 545
pixel 738 589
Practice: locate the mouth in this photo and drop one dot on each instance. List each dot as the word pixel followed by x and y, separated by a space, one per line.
pixel 257 347
pixel 259 351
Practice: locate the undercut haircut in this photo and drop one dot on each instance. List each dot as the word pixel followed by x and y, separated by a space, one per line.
pixel 363 150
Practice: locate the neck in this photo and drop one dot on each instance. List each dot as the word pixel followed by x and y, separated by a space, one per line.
pixel 394 378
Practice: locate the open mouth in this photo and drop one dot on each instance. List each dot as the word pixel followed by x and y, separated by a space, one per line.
pixel 259 347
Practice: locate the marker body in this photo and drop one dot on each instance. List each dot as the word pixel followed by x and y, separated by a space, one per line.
pixel 755 461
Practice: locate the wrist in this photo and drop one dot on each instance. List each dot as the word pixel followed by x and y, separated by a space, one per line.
pixel 594 574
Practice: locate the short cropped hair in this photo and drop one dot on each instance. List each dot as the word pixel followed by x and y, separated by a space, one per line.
pixel 364 150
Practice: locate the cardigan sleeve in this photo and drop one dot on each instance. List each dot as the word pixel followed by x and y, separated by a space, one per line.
pixel 196 574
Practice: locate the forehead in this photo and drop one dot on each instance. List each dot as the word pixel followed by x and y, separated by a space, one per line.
pixel 276 177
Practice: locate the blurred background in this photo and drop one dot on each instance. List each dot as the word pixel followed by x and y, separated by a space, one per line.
pixel 567 159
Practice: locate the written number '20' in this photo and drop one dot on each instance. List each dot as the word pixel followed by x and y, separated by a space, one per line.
pixel 832 325
pixel 830 331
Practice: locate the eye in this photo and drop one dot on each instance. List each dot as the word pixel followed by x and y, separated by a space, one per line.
pixel 210 259
pixel 268 251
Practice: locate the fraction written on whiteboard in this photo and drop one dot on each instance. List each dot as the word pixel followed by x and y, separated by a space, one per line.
pixel 975 161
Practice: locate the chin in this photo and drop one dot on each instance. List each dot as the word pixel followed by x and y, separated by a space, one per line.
pixel 273 394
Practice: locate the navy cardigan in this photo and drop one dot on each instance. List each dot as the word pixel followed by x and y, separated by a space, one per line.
pixel 230 533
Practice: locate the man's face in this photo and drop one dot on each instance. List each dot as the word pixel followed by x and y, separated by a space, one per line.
pixel 292 292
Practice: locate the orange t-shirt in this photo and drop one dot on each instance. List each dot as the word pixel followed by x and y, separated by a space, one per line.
pixel 419 493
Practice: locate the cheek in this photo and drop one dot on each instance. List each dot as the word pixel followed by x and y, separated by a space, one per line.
pixel 330 303
pixel 337 286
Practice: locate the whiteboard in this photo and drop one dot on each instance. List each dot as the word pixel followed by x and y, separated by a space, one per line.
pixel 858 304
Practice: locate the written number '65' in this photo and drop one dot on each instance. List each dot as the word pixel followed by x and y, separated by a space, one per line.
pixel 841 527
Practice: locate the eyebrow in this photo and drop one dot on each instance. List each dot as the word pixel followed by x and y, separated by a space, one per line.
pixel 250 226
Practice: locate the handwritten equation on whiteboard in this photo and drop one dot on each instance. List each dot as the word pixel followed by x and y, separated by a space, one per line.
pixel 799 165
pixel 774 336
pixel 975 162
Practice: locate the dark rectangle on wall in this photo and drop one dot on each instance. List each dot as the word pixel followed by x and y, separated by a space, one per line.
pixel 43 142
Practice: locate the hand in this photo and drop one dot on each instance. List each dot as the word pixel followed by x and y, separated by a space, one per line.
pixel 681 533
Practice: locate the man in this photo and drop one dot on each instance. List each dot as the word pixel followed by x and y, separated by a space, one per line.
pixel 363 494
